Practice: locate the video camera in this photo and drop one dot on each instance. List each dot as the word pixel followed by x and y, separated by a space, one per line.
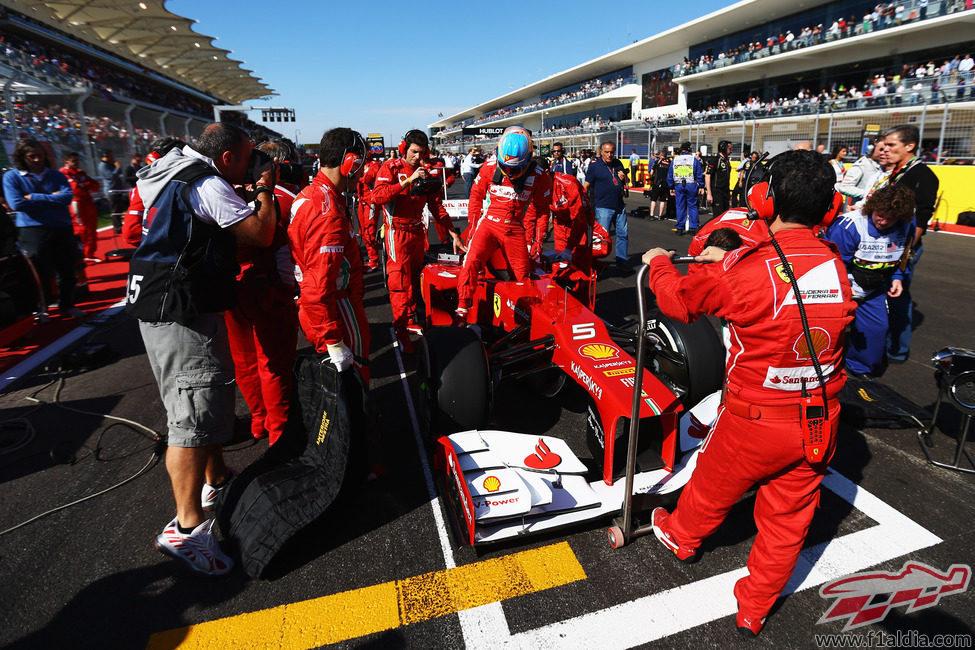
pixel 259 163
pixel 292 173
pixel 432 184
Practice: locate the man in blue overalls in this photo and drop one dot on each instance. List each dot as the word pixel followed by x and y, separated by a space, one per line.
pixel 686 179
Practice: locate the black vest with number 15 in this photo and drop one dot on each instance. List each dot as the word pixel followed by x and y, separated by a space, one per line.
pixel 184 266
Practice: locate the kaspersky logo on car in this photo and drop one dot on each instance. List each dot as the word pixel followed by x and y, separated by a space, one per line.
pixel 865 598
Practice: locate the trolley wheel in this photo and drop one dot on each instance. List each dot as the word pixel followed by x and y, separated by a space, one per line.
pixel 615 536
pixel 454 380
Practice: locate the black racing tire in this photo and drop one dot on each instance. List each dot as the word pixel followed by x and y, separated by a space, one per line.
pixel 690 355
pixel 455 382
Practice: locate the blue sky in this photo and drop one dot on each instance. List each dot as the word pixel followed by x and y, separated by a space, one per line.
pixel 389 67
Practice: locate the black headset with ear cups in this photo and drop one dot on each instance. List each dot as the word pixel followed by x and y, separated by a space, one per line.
pixel 403 146
pixel 760 197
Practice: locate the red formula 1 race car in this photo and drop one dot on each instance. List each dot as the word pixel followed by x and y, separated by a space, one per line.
pixel 502 484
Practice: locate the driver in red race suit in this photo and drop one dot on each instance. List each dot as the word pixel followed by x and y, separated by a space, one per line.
pixel 757 437
pixel 368 217
pixel 518 196
pixel 328 264
pixel 405 235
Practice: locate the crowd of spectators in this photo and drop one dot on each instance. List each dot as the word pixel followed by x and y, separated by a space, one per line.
pixel 65 127
pixel 884 15
pixel 590 88
pixel 915 84
pixel 69 70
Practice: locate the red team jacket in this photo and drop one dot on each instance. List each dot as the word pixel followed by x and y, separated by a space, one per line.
pixel 327 262
pixel 400 209
pixel 572 212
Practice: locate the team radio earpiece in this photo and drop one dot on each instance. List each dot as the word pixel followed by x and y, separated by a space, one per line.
pixel 352 160
pixel 403 146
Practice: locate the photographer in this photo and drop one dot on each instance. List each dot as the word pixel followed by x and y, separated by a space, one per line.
pixel 181 280
pixel 403 186
pixel 773 397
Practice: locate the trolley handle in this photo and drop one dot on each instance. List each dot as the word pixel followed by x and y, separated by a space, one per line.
pixel 641 305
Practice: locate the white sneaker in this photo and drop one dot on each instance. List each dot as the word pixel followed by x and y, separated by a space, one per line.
pixel 199 550
pixel 211 494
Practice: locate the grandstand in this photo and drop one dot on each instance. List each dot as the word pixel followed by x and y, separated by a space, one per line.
pixel 88 76
pixel 765 75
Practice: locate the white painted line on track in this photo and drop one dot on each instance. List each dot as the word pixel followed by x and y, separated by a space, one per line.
pixel 479 623
pixel 448 554
pixel 58 345
pixel 675 610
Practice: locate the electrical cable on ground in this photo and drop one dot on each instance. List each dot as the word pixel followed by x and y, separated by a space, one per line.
pixel 157 452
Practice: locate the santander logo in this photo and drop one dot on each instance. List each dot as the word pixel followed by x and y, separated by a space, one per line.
pixel 543 458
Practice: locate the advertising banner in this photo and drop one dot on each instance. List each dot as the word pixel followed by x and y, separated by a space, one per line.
pixel 376 143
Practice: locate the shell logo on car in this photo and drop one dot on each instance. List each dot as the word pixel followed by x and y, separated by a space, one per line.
pixel 599 351
pixel 492 484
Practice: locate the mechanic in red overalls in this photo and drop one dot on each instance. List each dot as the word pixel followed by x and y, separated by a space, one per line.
pixel 84 214
pixel 758 437
pixel 517 193
pixel 368 218
pixel 263 325
pixel 328 263
pixel 401 191
pixel 574 218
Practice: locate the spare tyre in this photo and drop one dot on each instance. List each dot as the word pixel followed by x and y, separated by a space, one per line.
pixel 455 383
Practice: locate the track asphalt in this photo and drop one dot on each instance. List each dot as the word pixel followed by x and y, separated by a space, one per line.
pixel 377 570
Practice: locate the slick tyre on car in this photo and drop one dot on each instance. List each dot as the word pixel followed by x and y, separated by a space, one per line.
pixel 690 355
pixel 455 383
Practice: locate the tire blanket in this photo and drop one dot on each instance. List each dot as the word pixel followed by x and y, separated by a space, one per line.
pixel 299 477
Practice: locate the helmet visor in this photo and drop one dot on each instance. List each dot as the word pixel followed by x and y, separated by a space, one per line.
pixel 514 171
